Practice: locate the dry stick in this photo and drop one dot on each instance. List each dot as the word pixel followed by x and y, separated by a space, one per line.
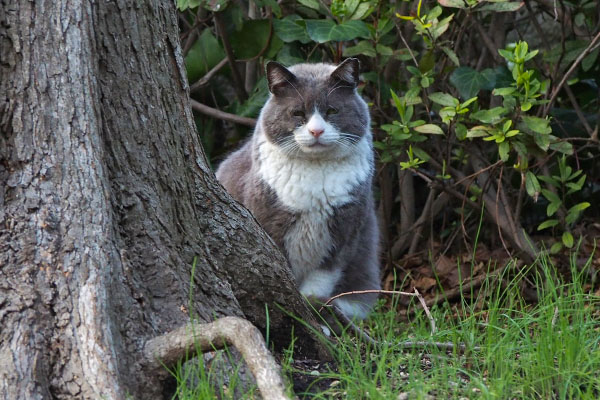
pixel 406 344
pixel 167 350
pixel 427 312
pixel 218 114
pixel 583 54
pixel 498 215
pixel 235 74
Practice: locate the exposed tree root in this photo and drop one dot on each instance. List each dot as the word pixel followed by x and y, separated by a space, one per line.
pixel 168 349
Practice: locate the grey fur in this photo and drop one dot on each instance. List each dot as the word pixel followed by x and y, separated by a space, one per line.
pixel 352 227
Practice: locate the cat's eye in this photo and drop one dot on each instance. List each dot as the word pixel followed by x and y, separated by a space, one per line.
pixel 298 113
pixel 331 111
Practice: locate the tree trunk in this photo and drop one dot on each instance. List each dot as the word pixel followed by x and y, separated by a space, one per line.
pixel 106 200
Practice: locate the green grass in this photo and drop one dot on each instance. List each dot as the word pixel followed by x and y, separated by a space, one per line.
pixel 514 350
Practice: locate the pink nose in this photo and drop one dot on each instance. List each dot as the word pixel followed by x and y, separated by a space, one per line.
pixel 316 132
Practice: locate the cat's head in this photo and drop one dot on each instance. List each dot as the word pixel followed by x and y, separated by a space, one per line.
pixel 314 110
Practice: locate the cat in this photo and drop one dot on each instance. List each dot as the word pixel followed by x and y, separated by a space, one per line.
pixel 306 175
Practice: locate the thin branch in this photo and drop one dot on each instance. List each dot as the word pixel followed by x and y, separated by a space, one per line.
pixel 218 114
pixel 167 350
pixel 487 41
pixel 235 74
pixel 208 76
pixel 590 47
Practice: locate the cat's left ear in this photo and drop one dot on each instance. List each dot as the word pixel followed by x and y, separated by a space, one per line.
pixel 347 72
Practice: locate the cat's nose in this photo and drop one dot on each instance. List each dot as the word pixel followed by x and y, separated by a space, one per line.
pixel 316 132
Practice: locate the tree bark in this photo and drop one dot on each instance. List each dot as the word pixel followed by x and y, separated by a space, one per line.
pixel 106 200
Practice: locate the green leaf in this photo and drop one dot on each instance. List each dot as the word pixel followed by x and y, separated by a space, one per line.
pixel 567 239
pixel 205 53
pixel 451 55
pixel 252 39
pixel 501 7
pixel 572 50
pixel 504 91
pixel 503 149
pixel 442 26
pixel 542 140
pixel 552 209
pixel 444 99
pixel 589 60
pixel 539 125
pixel 364 47
pixel 532 184
pixel 556 247
pixel 549 223
pixel 454 3
pixel 489 116
pixel 562 147
pixel 461 131
pixel 325 30
pixel 479 131
pixel 550 196
pixel 469 82
pixel 314 4
pixel 289 30
pixel 362 11
pixel 270 3
pixel 579 207
pixel 384 50
pixel 429 128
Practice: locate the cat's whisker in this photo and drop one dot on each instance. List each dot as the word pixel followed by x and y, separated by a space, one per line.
pixel 296 89
pixel 338 87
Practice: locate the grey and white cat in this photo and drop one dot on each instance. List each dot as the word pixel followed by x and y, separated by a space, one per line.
pixel 306 175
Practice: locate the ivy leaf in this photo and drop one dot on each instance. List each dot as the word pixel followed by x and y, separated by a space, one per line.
pixel 258 30
pixel 469 82
pixel 325 30
pixel 289 30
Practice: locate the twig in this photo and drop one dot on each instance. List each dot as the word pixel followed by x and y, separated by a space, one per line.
pixel 379 291
pixel 427 312
pixel 584 53
pixel 235 74
pixel 218 114
pixel 207 77
pixel 167 350
pixel 487 41
pixel 578 111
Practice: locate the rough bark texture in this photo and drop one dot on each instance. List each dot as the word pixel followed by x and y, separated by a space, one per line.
pixel 105 201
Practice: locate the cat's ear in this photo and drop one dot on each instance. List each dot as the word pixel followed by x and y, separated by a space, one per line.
pixel 347 72
pixel 279 77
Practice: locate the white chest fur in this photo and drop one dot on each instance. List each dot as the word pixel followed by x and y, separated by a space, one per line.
pixel 311 189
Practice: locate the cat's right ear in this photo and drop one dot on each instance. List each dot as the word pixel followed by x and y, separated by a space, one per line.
pixel 279 78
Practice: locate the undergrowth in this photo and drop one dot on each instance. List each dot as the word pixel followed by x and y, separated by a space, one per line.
pixel 513 349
